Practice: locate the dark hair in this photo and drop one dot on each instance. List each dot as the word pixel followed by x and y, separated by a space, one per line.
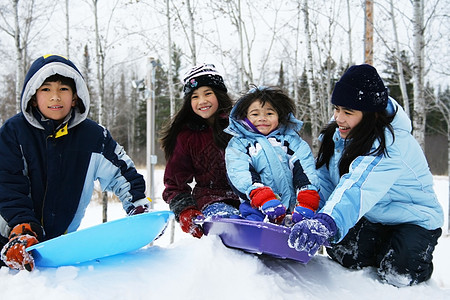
pixel 358 142
pixel 186 116
pixel 282 103
pixel 66 81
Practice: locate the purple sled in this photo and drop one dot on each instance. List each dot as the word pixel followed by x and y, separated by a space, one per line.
pixel 254 237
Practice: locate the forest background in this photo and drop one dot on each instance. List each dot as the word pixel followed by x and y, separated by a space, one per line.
pixel 302 46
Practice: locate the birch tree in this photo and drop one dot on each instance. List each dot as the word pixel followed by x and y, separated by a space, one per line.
pixel 17 21
pixel 67 28
pixel 398 60
pixel 169 65
pixel 233 10
pixel 349 33
pixel 192 30
pixel 188 30
pixel 310 76
pixel 419 114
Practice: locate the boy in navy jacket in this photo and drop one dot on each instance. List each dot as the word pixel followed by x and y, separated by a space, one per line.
pixel 51 154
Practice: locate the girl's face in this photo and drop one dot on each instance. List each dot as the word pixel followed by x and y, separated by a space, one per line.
pixel 55 100
pixel 204 103
pixel 264 118
pixel 346 119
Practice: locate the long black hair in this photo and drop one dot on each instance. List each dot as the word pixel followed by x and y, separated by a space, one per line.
pixel 187 117
pixel 359 141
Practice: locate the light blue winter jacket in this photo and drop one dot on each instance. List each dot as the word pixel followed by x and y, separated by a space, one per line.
pixel 281 160
pixel 392 189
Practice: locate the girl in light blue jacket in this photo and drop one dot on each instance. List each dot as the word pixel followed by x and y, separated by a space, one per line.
pixel 378 206
pixel 268 165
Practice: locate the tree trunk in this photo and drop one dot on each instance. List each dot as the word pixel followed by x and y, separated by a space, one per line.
pixel 399 62
pixel 368 37
pixel 296 62
pixel 101 90
pixel 310 76
pixel 19 55
pixel 350 49
pixel 419 115
pixel 241 45
pixel 169 65
pixel 191 21
pixel 67 30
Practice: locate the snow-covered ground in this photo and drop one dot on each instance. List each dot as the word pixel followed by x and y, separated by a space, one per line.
pixel 191 268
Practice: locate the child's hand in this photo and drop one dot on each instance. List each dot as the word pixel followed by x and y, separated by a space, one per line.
pixel 266 200
pixel 187 224
pixel 309 234
pixel 14 254
pixel 301 213
pixel 139 207
pixel 274 210
pixel 307 204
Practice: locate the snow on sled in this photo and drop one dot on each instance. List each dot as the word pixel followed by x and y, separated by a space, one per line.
pixel 254 237
pixel 99 241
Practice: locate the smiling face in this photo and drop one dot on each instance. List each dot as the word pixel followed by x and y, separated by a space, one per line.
pixel 55 100
pixel 346 119
pixel 204 103
pixel 264 118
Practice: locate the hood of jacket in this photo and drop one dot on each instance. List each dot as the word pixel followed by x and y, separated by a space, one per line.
pixel 239 128
pixel 44 67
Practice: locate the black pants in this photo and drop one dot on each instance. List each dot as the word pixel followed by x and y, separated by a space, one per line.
pixel 401 253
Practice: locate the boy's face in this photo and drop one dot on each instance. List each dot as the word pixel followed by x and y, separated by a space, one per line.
pixel 55 100
pixel 264 118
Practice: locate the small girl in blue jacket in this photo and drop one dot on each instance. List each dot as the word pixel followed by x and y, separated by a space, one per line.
pixel 379 208
pixel 269 165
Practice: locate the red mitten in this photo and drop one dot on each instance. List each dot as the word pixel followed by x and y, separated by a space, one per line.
pixel 265 199
pixel 187 224
pixel 261 195
pixel 307 204
pixel 14 254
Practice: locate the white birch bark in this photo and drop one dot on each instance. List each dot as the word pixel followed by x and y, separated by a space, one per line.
pixel 169 65
pixel 67 29
pixel 419 114
pixel 19 54
pixel 349 32
pixel 398 60
pixel 310 76
pixel 192 27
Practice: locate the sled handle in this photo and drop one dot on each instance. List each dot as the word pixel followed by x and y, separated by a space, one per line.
pixel 199 220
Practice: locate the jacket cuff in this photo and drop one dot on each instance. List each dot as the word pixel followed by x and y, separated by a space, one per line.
pixel 180 202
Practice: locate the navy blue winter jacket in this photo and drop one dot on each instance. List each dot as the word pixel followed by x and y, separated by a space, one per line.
pixel 47 172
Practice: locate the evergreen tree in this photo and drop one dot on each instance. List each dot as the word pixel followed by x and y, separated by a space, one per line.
pixel 281 81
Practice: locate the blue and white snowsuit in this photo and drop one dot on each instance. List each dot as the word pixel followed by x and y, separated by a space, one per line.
pixel 47 171
pixel 389 189
pixel 282 160
pixel 385 208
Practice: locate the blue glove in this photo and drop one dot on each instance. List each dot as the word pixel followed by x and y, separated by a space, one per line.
pixel 266 200
pixel 250 213
pixel 274 210
pixel 301 213
pixel 309 234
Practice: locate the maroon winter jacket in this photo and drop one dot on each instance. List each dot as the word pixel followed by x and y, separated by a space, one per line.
pixel 197 157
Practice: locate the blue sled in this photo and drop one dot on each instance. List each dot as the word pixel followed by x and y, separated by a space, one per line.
pixel 99 241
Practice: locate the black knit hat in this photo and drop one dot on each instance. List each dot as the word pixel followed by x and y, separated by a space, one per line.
pixel 361 88
pixel 203 75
